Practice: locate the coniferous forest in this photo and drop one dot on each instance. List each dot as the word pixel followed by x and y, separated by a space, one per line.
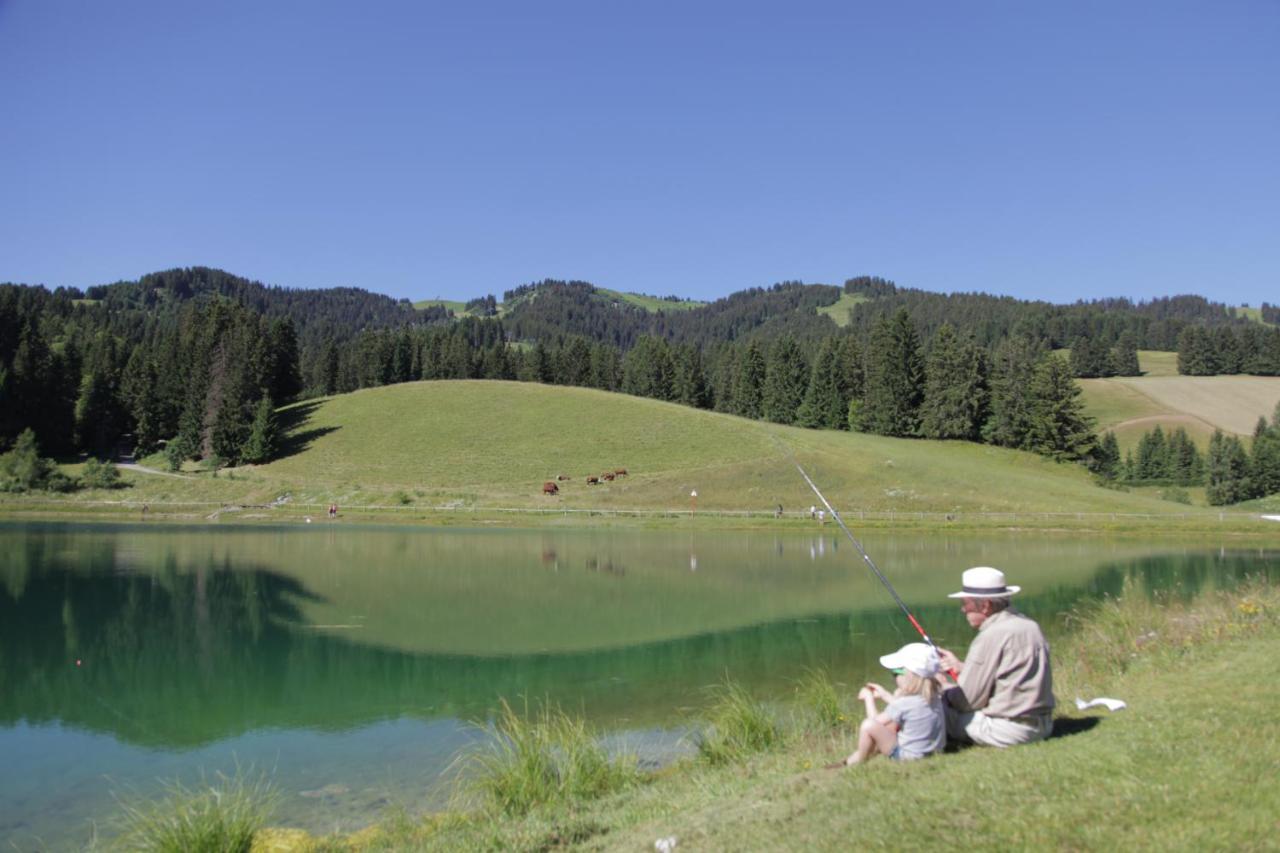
pixel 197 360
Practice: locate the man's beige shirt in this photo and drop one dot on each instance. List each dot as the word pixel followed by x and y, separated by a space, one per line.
pixel 1006 672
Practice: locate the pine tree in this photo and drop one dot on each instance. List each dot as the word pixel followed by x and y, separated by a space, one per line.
pixel 1010 421
pixel 606 368
pixel 748 386
pixel 647 369
pixel 955 392
pixel 1060 429
pixel 690 378
pixel 1108 463
pixel 894 378
pixel 786 377
pixel 1125 356
pixel 1186 466
pixel 1264 459
pixel 824 405
pixel 1153 456
pixel 1228 471
pixel 261 444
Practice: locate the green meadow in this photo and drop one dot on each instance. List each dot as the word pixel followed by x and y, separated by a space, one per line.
pixel 839 310
pixel 414 450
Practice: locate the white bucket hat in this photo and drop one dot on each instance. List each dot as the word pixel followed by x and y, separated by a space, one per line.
pixel 983 582
pixel 918 658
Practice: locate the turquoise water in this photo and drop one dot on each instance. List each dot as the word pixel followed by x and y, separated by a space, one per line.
pixel 354 663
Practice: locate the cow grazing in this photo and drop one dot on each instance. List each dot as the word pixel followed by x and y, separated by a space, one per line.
pixel 607 475
pixel 621 472
pixel 593 481
pixel 550 488
pixel 562 477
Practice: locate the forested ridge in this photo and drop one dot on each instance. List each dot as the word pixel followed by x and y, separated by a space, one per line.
pixel 198 359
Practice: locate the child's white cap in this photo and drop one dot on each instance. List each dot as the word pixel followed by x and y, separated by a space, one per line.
pixel 917 658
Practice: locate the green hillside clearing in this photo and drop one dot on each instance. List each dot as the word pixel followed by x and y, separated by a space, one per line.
pixel 454 306
pixel 839 310
pixel 650 303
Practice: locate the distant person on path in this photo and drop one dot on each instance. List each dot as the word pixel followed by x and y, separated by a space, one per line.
pixel 913 723
pixel 778 512
pixel 813 511
pixel 1004 695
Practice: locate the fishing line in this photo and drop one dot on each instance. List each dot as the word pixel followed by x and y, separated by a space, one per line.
pixel 858 545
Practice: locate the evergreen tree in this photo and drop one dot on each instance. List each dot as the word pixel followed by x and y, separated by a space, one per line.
pixel 690 386
pixel 1228 471
pixel 748 386
pixel 785 379
pixel 1264 459
pixel 647 369
pixel 606 368
pixel 1186 465
pixel 1060 429
pixel 1125 355
pixel 573 364
pixel 24 469
pixel 894 378
pixel 1108 463
pixel 261 444
pixel 824 406
pixel 851 369
pixel 1010 421
pixel 1152 461
pixel 955 391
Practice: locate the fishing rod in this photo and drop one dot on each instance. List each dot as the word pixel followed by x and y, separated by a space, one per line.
pixel 866 557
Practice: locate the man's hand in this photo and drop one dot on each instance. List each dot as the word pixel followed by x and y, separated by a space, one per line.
pixel 949 661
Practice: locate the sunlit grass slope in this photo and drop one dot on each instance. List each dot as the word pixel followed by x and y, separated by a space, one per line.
pixel 1133 405
pixel 839 310
pixel 495 443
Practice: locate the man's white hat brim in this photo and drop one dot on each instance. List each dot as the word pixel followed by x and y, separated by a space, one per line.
pixel 1007 591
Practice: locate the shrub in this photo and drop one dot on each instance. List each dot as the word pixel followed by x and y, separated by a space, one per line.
pixel 100 475
pixel 23 469
pixel 221 817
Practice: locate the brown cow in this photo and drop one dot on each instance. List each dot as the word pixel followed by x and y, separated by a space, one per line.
pixel 621 472
pixel 593 481
pixel 562 477
pixel 550 488
pixel 607 475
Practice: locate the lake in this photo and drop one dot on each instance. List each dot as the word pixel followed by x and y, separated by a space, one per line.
pixel 353 663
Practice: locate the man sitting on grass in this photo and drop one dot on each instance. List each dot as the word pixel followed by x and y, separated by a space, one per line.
pixel 1004 693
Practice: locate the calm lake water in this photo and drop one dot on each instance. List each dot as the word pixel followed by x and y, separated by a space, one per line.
pixel 354 663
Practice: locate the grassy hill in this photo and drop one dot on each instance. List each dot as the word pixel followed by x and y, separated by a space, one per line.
pixel 488 446
pixel 485 445
pixel 1133 405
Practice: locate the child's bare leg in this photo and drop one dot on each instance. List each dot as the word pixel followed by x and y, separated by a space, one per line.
pixel 873 737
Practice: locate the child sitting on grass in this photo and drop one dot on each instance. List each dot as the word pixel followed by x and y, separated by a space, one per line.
pixel 912 724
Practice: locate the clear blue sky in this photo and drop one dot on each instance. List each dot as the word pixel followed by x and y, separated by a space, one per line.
pixel 420 149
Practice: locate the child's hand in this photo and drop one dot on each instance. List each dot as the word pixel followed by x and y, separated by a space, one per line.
pixel 865 693
pixel 879 692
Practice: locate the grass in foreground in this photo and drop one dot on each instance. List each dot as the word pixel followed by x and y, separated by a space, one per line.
pixel 545 759
pixel 1188 766
pixel 218 816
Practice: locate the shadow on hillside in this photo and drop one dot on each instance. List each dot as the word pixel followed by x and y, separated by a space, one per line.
pixel 294 438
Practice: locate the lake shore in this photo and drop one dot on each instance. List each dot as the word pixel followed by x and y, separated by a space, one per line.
pixel 1236 524
pixel 1163 771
